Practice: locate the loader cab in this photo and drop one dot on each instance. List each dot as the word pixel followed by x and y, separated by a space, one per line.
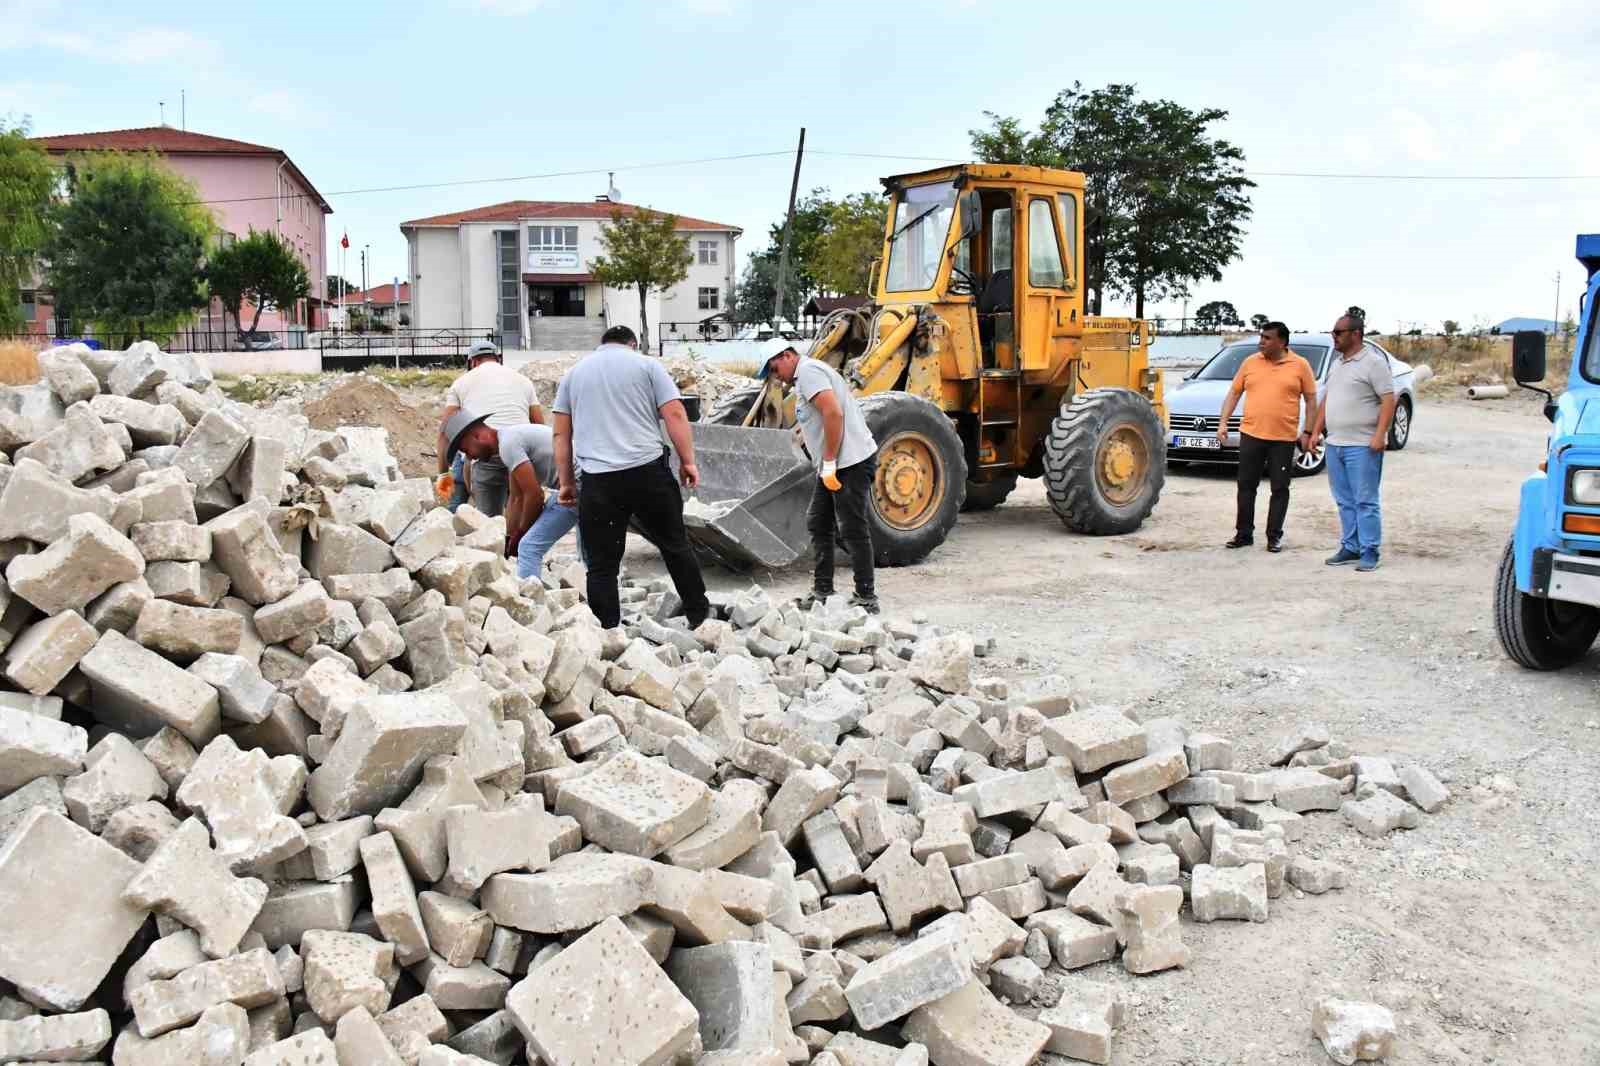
pixel 994 277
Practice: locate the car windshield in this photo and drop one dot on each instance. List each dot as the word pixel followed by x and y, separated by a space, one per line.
pixel 1591 342
pixel 1225 363
pixel 920 227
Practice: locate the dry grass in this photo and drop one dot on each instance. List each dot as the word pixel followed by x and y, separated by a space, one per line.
pixel 1474 360
pixel 744 367
pixel 19 363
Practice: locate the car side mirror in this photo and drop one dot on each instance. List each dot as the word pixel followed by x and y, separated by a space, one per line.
pixel 971 213
pixel 1527 356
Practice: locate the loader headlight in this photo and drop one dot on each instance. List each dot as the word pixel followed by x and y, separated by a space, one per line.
pixel 1583 487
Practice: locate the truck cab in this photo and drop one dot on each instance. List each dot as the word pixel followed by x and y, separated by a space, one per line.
pixel 1547 595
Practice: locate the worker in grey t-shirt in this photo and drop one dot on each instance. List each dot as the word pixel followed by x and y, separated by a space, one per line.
pixel 1357 407
pixel 533 522
pixel 608 412
pixel 845 455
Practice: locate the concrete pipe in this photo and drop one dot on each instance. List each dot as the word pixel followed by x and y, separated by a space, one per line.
pixel 1487 392
pixel 1421 375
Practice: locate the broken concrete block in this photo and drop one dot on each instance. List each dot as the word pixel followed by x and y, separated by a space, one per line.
pixel 802 795
pixel 603 999
pixel 910 889
pixel 249 980
pixel 244 547
pixel 44 653
pixel 186 633
pixel 457 931
pixel 210 448
pixel 1144 777
pixel 55 1038
pixel 1150 926
pixel 116 776
pixel 66 375
pixel 425 539
pixel 575 893
pixel 1379 814
pixel 1423 789
pixel 1238 893
pixel 243 694
pixel 66 921
pixel 38 506
pixel 1304 737
pixel 32 746
pixel 186 880
pixel 1095 739
pixel 970 1026
pixel 221 1037
pixel 137 691
pixel 1081 1022
pixel 730 985
pixel 635 805
pixel 358 1039
pixel 344 971
pixel 342 549
pixel 1353 1032
pixel 1315 876
pixel 379 755
pixel 312 1046
pixel 294 908
pixel 944 662
pixel 296 614
pixel 118 607
pixel 923 971
pixel 235 791
pixel 1305 790
pixel 394 899
pixel 75 568
pixel 1004 793
pixel 171 541
pixel 148 424
pixel 484 843
pixel 259 470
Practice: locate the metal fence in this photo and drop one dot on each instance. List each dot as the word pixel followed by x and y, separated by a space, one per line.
pixel 197 339
pixel 405 347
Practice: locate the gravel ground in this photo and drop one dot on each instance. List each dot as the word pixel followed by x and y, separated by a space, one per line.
pixel 1480 928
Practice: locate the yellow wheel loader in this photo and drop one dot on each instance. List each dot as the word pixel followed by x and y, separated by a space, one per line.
pixel 975 364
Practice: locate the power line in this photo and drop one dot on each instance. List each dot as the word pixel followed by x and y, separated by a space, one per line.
pixel 611 168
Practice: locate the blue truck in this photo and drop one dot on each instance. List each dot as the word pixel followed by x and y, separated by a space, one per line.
pixel 1547 592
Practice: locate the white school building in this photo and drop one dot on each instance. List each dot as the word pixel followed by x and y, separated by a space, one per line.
pixel 523 268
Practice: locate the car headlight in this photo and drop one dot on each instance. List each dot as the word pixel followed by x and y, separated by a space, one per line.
pixel 1583 487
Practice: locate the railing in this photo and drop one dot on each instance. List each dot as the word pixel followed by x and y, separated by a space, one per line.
pixel 197 339
pixel 342 350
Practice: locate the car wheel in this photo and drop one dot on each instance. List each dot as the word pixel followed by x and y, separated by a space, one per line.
pixel 1309 464
pixel 1400 428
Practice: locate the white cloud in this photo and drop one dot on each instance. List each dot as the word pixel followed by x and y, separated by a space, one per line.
pixel 157 44
pixel 288 106
pixel 1416 135
pixel 1477 17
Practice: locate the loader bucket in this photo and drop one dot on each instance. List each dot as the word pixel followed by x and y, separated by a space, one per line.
pixel 750 508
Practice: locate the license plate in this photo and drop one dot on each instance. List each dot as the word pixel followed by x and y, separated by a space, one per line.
pixel 1204 443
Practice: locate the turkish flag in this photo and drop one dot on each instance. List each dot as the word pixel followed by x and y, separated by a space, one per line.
pixel 344 242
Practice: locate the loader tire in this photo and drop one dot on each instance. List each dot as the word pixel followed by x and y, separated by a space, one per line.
pixel 921 478
pixel 989 494
pixel 733 408
pixel 1105 461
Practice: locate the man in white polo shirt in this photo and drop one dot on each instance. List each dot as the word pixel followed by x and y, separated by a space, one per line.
pixel 846 458
pixel 1357 407
pixel 504 398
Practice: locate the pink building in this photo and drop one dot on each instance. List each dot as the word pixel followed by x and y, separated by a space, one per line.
pixel 248 186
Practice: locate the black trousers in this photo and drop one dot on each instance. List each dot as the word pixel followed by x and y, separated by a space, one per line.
pixel 842 514
pixel 1275 458
pixel 648 494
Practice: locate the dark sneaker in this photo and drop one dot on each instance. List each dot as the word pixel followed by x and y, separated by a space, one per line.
pixel 1240 542
pixel 1275 546
pixel 1368 563
pixel 812 599
pixel 1343 558
pixel 869 603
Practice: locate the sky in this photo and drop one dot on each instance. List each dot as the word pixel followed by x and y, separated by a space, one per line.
pixel 365 96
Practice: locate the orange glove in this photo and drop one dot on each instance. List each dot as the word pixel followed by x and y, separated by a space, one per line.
pixel 830 475
pixel 443 486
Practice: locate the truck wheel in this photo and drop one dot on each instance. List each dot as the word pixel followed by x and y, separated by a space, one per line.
pixel 921 478
pixel 989 494
pixel 1105 461
pixel 733 408
pixel 1538 633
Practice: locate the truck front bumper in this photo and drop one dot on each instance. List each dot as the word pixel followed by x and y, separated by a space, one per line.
pixel 1570 578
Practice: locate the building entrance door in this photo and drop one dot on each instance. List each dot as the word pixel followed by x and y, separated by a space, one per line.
pixel 556 301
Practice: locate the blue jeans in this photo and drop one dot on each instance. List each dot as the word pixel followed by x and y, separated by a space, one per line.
pixel 1354 475
pixel 458 471
pixel 553 523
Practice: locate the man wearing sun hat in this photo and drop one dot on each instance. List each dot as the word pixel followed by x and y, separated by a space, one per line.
pixel 846 459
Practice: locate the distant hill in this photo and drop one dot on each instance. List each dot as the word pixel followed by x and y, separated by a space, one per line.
pixel 1512 325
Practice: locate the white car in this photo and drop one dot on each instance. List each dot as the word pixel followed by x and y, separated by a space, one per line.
pixel 1194 404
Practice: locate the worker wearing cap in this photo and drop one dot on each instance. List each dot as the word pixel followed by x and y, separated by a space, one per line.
pixel 533 521
pixel 609 410
pixel 846 458
pixel 504 398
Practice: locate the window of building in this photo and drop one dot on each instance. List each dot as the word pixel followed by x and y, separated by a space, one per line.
pixel 552 238
pixel 708 252
pixel 30 305
pixel 709 298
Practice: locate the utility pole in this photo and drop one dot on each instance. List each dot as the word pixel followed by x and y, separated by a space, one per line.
pixel 788 231
pixel 1555 322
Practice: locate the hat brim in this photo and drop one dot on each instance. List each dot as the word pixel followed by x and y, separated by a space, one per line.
pixel 455 442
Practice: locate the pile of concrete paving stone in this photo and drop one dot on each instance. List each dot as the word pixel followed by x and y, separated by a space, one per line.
pixel 294 770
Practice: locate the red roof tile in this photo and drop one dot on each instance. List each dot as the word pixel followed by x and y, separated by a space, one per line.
pixel 517 210
pixel 379 294
pixel 168 140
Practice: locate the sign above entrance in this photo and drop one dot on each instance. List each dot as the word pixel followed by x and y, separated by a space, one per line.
pixel 553 261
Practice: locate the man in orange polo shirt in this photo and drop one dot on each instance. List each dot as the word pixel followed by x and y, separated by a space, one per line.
pixel 1272 382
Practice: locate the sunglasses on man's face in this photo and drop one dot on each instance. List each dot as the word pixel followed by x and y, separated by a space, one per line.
pixel 1336 332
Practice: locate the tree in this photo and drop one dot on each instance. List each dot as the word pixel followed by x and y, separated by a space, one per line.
pixel 1451 327
pixel 126 252
pixel 1218 314
pixel 645 251
pixel 1259 321
pixel 1164 203
pixel 842 256
pixel 758 289
pixel 261 270
pixel 338 287
pixel 27 186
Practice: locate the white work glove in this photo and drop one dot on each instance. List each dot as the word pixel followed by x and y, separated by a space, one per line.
pixel 830 474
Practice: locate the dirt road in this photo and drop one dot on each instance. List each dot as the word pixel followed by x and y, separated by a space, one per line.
pixel 1481 929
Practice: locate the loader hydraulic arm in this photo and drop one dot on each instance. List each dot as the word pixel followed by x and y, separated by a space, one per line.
pixel 872 362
